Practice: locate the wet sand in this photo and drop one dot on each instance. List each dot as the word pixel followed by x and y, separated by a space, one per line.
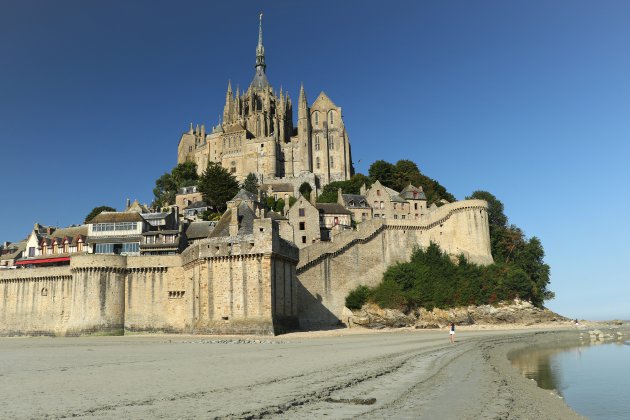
pixel 338 374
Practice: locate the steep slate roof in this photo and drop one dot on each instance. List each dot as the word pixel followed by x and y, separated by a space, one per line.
pixel 246 218
pixel 154 216
pixel 394 195
pixel 244 195
pixel 199 230
pixel 113 217
pixel 282 187
pixel 407 193
pixel 354 201
pixel 234 129
pixel 197 205
pixel 21 247
pixel 331 208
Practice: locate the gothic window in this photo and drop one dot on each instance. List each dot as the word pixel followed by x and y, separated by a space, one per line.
pixel 316 141
pixel 317 163
pixel 332 120
pixel 332 163
pixel 331 142
pixel 317 119
pixel 258 127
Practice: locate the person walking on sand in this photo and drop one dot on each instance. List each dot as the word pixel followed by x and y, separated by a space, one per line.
pixel 451 333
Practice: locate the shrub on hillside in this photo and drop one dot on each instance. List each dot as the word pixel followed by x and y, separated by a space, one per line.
pixel 357 297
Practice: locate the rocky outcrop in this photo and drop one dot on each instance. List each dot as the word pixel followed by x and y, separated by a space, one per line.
pixel 516 312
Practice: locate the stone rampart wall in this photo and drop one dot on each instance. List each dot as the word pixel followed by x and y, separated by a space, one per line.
pixel 327 272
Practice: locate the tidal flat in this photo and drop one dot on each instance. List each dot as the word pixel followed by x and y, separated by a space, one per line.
pixel 338 374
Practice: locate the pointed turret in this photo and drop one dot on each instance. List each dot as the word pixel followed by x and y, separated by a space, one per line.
pixel 302 103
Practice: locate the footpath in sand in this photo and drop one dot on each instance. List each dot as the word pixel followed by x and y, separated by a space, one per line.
pixel 343 374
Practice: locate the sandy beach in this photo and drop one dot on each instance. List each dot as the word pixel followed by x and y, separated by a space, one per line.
pixel 336 374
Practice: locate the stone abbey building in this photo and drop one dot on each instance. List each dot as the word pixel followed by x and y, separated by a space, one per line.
pixel 257 135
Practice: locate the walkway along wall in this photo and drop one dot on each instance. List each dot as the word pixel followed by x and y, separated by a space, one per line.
pixel 327 272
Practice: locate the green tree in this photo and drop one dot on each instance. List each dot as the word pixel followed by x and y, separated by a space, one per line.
pixel 166 186
pixel 496 215
pixel 251 183
pixel 217 186
pixel 185 174
pixel 406 172
pixel 305 190
pixel 384 172
pixel 351 186
pixel 96 211
pixel 357 297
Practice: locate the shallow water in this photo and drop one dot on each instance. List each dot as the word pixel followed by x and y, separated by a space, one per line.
pixel 594 379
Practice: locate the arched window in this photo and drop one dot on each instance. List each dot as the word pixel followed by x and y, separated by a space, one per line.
pixel 317 163
pixel 331 118
pixel 317 119
pixel 316 141
pixel 331 141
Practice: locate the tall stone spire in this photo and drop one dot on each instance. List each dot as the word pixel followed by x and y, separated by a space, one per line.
pixel 260 79
pixel 260 50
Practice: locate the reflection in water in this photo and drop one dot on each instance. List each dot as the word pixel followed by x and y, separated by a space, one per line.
pixel 536 364
pixel 590 374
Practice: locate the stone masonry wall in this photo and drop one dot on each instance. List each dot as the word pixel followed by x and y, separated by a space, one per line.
pixel 328 271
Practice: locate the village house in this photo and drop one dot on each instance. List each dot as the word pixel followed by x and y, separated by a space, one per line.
pixel 356 204
pixel 304 218
pixel 51 246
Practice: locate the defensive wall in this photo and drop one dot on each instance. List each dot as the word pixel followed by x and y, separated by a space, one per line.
pixel 241 284
pixel 328 271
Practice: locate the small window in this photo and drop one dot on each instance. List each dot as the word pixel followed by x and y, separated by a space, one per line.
pixel 44 292
pixel 301 212
pixel 395 216
pixel 303 239
pixel 415 206
pixel 302 225
pixel 318 164
pixel 378 192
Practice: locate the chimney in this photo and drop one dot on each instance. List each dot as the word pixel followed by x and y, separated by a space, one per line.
pixel 128 203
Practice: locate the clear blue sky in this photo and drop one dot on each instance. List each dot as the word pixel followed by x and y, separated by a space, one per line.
pixel 529 100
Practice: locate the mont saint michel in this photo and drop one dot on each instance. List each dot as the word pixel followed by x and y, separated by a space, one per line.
pixel 329 210
pixel 256 270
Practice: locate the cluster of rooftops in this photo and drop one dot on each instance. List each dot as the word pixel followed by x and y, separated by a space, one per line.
pixel 138 231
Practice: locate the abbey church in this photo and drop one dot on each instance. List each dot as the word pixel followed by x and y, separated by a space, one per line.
pixel 257 135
